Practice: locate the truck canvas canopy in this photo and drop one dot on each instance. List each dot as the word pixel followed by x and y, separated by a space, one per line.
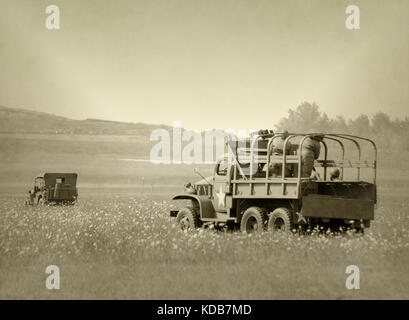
pixel 53 178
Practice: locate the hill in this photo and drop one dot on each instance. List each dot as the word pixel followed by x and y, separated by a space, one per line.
pixel 13 120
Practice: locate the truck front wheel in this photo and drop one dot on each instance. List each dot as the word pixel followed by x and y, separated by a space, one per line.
pixel 253 220
pixel 187 218
pixel 280 220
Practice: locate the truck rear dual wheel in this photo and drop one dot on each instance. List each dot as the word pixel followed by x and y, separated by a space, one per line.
pixel 254 220
pixel 280 220
pixel 187 218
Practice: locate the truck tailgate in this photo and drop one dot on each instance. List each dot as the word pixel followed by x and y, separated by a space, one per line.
pixel 323 206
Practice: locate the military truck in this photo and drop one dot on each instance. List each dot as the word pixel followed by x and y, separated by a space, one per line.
pixel 255 201
pixel 54 188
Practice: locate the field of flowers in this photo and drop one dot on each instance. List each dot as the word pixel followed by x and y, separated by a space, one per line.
pixel 127 246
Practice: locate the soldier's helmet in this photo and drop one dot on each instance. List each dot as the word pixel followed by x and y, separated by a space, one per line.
pixel 334 174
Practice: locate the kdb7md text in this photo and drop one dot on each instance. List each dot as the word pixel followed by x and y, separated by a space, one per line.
pixel 219 309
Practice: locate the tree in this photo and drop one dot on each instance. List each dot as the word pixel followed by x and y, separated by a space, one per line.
pixel 383 130
pixel 306 118
pixel 361 126
pixel 388 134
pixel 338 125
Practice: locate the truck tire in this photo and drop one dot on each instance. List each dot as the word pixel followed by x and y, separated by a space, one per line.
pixel 280 220
pixel 254 220
pixel 188 218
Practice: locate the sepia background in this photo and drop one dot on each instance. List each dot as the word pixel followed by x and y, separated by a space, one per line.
pixel 241 63
pixel 86 98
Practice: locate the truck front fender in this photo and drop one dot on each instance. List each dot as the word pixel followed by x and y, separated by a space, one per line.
pixel 204 203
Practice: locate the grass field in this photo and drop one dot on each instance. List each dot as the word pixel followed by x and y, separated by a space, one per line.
pixel 118 241
pixel 127 247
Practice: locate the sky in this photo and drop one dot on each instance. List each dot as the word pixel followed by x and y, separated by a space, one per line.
pixel 209 64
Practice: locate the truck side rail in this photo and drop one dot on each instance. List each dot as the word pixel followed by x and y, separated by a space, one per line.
pixel 265 156
pixel 344 163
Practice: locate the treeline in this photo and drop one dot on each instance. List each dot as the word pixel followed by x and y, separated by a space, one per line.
pixel 388 133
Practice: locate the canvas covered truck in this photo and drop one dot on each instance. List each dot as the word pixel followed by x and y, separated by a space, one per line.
pixel 255 200
pixel 54 188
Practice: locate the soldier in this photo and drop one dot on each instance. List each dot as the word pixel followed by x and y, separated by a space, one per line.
pixel 31 196
pixel 315 175
pixel 266 133
pixel 334 174
pixel 278 147
pixel 310 151
pixel 278 150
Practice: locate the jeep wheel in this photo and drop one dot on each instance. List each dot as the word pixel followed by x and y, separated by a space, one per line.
pixel 280 220
pixel 253 220
pixel 187 218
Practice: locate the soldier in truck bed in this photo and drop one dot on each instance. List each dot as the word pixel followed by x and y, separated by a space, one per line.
pixel 278 150
pixel 278 146
pixel 310 151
